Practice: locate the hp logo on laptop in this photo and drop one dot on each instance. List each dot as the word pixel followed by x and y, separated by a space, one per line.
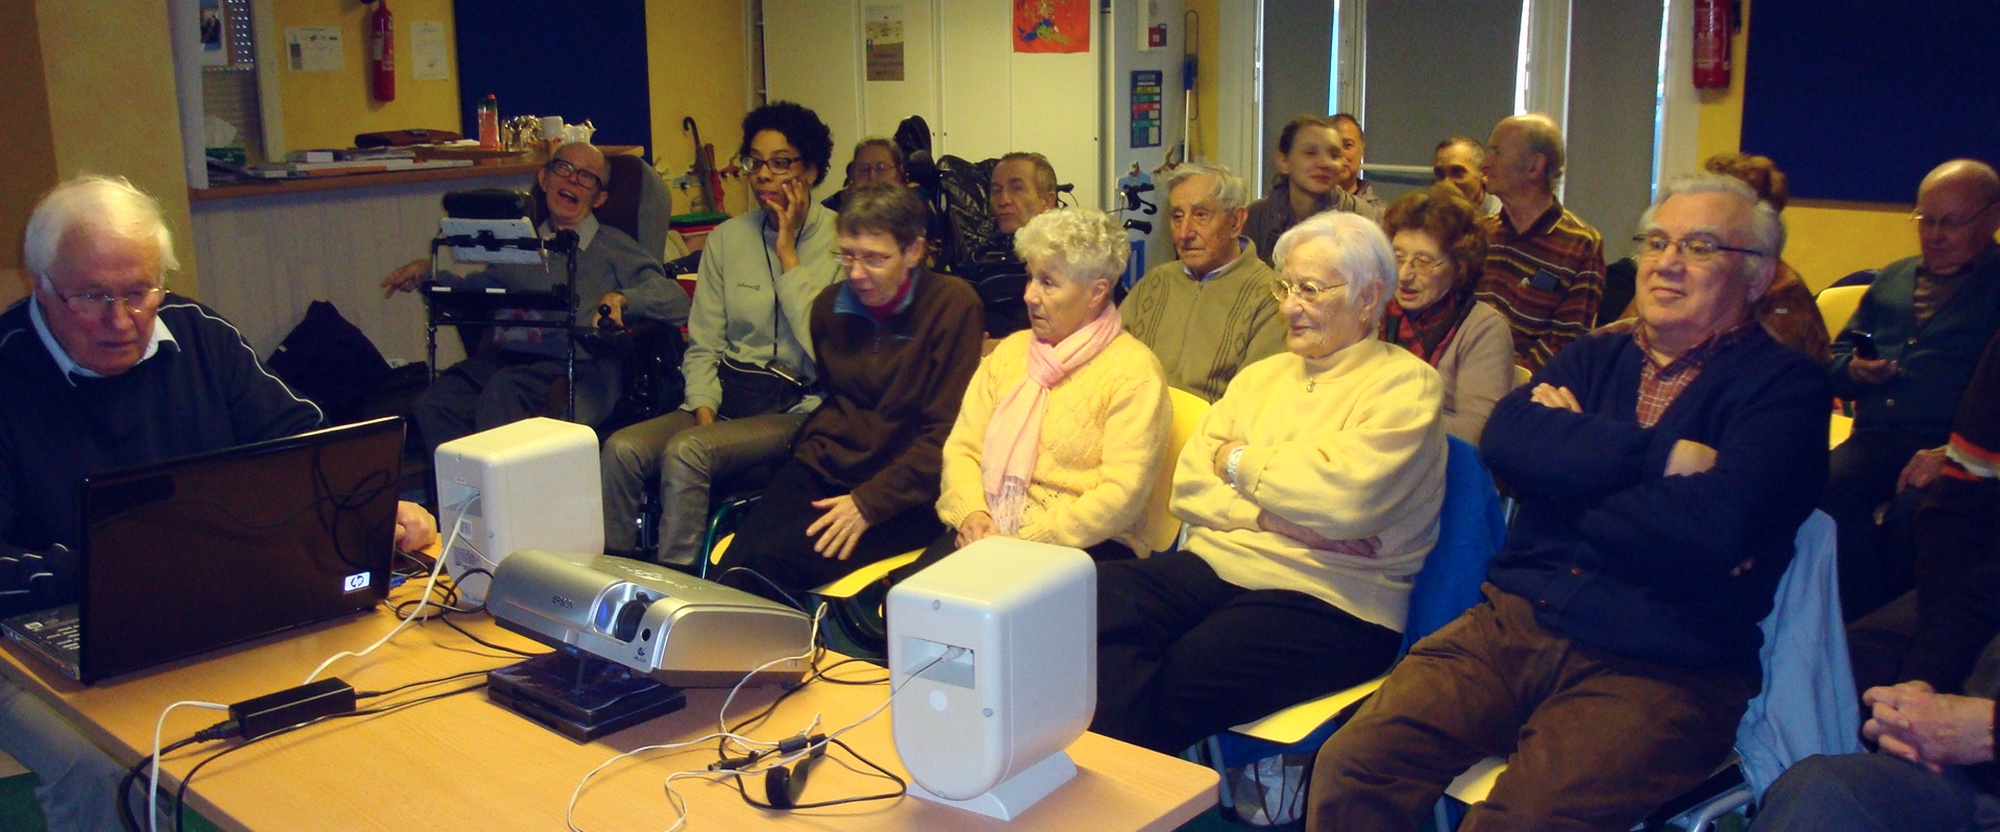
pixel 354 582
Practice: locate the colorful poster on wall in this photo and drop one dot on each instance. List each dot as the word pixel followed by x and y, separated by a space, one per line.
pixel 883 32
pixel 1145 108
pixel 1052 25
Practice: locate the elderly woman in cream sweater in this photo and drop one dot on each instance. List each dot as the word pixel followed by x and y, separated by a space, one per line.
pixel 1065 424
pixel 1311 489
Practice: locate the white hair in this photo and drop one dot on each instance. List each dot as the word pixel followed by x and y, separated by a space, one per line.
pixel 102 204
pixel 1767 229
pixel 1226 188
pixel 1361 253
pixel 1089 244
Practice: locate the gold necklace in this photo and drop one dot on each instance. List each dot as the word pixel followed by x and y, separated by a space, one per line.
pixel 1314 381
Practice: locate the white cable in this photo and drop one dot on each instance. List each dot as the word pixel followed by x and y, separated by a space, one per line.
pixel 153 790
pixel 569 814
pixel 812 645
pixel 422 601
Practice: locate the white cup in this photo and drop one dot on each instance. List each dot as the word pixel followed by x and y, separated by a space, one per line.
pixel 552 127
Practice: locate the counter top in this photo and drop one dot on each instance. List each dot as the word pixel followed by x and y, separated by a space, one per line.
pixel 519 164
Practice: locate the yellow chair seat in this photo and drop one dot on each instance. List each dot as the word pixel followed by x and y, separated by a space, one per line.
pixel 859 579
pixel 1296 722
pixel 847 586
pixel 1838 430
pixel 1477 782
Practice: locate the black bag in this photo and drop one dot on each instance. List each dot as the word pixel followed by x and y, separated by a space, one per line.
pixel 757 389
pixel 327 359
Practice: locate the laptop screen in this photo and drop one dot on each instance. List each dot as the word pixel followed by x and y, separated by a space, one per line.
pixel 195 553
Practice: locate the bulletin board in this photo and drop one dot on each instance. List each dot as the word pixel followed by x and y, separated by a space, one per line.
pixel 576 61
pixel 1856 100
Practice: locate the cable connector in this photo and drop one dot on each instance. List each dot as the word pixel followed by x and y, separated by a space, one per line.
pixel 219 731
pixel 276 711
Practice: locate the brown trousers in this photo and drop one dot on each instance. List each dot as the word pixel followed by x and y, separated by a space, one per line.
pixel 1592 740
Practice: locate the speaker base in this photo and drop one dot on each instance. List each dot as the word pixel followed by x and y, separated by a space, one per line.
pixel 1015 794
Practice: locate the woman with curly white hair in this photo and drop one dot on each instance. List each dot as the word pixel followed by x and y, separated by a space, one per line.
pixel 1064 425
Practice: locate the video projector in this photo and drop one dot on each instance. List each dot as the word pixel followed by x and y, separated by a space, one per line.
pixel 676 629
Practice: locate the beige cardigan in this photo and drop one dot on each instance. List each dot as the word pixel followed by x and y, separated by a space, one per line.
pixel 1478 368
pixel 1360 455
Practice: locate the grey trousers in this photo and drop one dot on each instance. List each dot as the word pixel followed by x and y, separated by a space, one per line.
pixel 79 788
pixel 686 460
pixel 485 392
pixel 1869 792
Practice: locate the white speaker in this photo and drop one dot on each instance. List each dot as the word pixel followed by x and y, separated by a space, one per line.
pixel 533 484
pixel 993 654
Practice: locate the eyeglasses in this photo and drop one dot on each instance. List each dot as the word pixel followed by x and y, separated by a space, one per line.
pixel 94 304
pixel 1307 291
pixel 1949 224
pixel 564 169
pixel 777 164
pixel 1651 246
pixel 872 168
pixel 871 260
pixel 1423 264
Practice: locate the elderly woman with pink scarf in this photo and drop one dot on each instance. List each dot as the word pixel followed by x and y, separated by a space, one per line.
pixel 1064 425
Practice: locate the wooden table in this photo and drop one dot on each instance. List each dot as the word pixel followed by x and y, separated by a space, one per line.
pixel 464 763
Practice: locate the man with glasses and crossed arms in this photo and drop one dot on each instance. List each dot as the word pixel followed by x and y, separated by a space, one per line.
pixel 102 369
pixel 1617 646
pixel 612 270
pixel 1904 359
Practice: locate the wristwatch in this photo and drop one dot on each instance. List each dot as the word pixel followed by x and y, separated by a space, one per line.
pixel 1235 457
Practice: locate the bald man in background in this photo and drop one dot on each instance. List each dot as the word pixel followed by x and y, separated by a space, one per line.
pixel 1926 319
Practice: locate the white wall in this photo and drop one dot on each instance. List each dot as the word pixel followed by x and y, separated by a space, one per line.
pixel 960 73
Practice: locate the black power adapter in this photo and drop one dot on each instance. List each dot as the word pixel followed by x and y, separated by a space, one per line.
pixel 276 711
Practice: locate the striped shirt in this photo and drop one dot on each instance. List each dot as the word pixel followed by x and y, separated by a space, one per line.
pixel 1547 280
pixel 1974 450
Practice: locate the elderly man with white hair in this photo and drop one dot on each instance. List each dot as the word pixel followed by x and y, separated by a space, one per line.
pixel 105 369
pixel 1311 491
pixel 1660 472
pixel 1207 314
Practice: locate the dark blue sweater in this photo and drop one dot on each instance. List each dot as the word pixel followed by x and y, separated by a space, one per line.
pixel 203 392
pixel 1617 555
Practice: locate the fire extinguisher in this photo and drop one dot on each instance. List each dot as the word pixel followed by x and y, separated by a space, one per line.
pixel 382 51
pixel 1713 22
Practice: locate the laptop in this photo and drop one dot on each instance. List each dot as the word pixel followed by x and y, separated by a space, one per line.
pixel 187 555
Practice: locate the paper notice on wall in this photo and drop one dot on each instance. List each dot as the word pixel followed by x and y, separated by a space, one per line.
pixel 313 48
pixel 427 58
pixel 884 35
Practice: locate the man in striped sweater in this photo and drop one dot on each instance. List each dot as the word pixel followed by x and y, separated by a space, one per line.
pixel 1544 266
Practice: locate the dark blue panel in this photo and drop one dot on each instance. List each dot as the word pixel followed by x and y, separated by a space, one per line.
pixel 577 60
pixel 1857 100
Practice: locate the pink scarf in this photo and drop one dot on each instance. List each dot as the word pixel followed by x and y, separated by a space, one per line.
pixel 1014 437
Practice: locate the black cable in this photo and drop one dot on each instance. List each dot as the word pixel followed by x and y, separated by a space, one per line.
pixel 902 786
pixel 131 779
pixel 767 582
pixel 374 694
pixel 180 794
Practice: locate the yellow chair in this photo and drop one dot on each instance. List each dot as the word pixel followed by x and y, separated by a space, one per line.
pixel 1163 529
pixel 1837 305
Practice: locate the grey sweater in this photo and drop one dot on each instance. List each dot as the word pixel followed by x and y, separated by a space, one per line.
pixel 745 310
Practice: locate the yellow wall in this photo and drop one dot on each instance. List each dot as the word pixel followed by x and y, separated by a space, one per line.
pixel 327 109
pixel 695 67
pixel 1827 240
pixel 31 150
pixel 108 66
pixel 1208 61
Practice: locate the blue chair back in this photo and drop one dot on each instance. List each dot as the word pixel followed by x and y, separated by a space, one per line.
pixel 1471 527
